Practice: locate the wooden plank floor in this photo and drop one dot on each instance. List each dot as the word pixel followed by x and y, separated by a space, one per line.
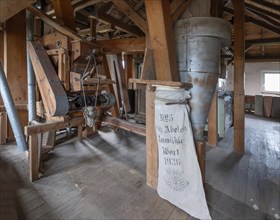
pixel 104 178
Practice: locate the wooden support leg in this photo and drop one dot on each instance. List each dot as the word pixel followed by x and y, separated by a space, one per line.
pixel 213 123
pixel 151 141
pixel 3 127
pixel 33 158
pixel 80 132
pixel 200 151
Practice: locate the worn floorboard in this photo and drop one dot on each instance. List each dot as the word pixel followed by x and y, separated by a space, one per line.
pixel 104 178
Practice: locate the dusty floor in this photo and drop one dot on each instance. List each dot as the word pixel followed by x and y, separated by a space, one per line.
pixel 104 178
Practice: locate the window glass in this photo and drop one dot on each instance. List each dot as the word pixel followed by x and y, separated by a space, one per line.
pixel 272 82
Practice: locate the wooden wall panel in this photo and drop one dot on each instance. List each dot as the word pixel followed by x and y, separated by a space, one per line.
pixel 15 62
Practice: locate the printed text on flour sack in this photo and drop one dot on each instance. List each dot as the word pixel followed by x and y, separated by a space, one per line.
pixel 166 136
pixel 171 140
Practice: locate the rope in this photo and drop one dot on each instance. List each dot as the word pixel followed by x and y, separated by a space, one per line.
pixel 90 115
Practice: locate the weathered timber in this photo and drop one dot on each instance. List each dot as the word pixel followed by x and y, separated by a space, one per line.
pixel 239 60
pixel 132 127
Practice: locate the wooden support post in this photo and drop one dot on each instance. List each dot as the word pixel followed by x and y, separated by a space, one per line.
pixel 3 128
pixel 151 140
pixel 1 48
pixel 117 74
pixel 200 151
pixel 239 58
pixel 80 132
pixel 216 8
pixel 162 42
pixel 213 122
pixel 148 70
pixel 111 87
pixel 128 68
pixel 33 157
pixel 93 23
pixel 63 69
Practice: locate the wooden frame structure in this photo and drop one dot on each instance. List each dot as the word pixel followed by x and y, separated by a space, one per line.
pixel 32 131
pixel 134 32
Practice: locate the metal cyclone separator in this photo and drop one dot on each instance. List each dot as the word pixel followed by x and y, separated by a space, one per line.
pixel 199 41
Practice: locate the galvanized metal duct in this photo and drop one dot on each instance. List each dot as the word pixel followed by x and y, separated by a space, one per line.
pixel 30 71
pixel 11 111
pixel 199 41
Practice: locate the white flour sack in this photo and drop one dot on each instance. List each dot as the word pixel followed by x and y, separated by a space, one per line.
pixel 179 177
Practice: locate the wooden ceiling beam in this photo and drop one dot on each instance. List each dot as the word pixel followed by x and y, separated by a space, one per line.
pixel 260 58
pixel 107 19
pixel 48 20
pixel 162 42
pixel 124 45
pixel 64 13
pixel 125 8
pixel 257 22
pixel 10 8
pixel 263 24
pixel 265 41
pixel 73 3
pixel 100 29
pixel 85 3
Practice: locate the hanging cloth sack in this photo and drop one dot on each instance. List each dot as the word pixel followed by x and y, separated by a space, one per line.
pixel 179 176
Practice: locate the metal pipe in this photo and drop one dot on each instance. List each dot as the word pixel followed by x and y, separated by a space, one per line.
pixel 11 110
pixel 199 41
pixel 30 71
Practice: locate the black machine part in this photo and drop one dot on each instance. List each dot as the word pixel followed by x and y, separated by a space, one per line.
pixel 105 100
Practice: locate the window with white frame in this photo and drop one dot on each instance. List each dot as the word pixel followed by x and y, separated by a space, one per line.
pixel 271 82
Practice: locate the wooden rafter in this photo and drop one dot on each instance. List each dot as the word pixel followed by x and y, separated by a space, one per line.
pixel 264 17
pixel 268 5
pixel 257 22
pixel 107 19
pixel 125 8
pixel 44 17
pixel 85 3
pixel 176 9
pixel 262 11
pixel 64 13
pixel 77 5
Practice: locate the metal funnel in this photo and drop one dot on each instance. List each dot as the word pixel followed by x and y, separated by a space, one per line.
pixel 199 41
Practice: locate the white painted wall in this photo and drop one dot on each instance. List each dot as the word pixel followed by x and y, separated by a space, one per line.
pixel 253 76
